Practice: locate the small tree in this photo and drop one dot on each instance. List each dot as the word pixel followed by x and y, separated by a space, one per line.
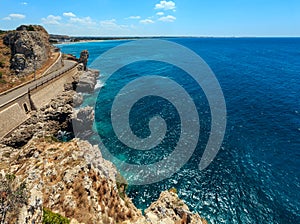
pixel 12 195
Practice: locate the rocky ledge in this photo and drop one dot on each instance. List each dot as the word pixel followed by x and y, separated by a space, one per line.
pixel 73 179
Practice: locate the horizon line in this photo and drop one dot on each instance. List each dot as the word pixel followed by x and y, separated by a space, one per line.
pixel 169 36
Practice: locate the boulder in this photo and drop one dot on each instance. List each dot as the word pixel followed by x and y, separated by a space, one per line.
pixel 82 122
pixel 18 63
pixel 86 81
pixel 170 209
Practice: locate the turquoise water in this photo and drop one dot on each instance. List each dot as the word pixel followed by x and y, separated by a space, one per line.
pixel 255 176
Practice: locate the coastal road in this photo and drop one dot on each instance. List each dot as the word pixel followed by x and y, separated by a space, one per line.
pixel 5 98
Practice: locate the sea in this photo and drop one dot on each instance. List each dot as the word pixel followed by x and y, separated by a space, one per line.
pixel 255 177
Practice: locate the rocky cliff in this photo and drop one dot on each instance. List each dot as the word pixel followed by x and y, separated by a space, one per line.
pixel 40 174
pixel 30 48
pixel 71 178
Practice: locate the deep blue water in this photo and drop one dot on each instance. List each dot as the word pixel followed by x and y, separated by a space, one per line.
pixel 255 176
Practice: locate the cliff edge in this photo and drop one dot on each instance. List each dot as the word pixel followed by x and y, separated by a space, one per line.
pixel 70 178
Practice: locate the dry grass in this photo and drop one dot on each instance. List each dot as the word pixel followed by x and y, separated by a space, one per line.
pixel 8 80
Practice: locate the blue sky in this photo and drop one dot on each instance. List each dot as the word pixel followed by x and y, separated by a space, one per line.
pixel 155 17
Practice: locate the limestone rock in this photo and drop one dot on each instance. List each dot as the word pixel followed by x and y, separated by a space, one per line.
pixel 77 99
pixel 55 116
pixel 30 47
pixel 84 55
pixel 71 179
pixel 74 180
pixel 169 209
pixel 86 81
pixel 82 122
pixel 18 62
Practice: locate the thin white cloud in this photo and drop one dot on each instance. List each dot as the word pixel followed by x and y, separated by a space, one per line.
pixel 24 3
pixel 52 20
pixel 146 21
pixel 167 18
pixel 160 13
pixel 111 24
pixel 166 5
pixel 14 16
pixel 134 17
pixel 87 21
pixel 69 14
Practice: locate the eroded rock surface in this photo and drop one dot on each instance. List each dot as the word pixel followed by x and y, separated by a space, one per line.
pixel 86 80
pixel 170 209
pixel 48 120
pixel 30 47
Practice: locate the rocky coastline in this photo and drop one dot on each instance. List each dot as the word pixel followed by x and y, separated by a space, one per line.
pixel 49 173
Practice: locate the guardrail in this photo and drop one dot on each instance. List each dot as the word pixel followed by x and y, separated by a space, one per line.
pixel 38 85
pixel 51 78
pixel 30 81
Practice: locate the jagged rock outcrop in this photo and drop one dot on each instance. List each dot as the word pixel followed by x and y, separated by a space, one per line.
pixel 30 47
pixel 170 209
pixel 74 180
pixel 71 179
pixel 86 80
pixel 53 117
pixel 84 55
pixel 82 122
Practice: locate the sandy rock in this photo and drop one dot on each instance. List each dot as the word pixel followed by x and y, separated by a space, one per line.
pixel 71 179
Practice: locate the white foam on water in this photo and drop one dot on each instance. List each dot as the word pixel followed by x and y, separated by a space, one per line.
pixel 99 84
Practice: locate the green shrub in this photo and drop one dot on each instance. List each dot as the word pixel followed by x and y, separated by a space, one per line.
pixel 173 190
pixel 51 139
pixel 13 196
pixel 121 185
pixel 1 64
pixel 50 217
pixel 30 28
pixel 1 74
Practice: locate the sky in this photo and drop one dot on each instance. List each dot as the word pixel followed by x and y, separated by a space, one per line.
pixel 155 17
